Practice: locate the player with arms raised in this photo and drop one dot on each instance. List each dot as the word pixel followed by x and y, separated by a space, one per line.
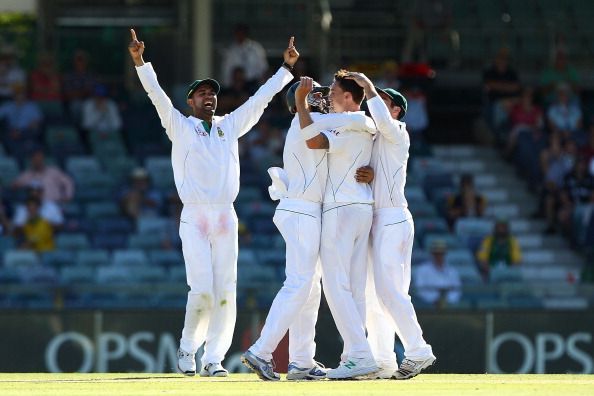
pixel 205 163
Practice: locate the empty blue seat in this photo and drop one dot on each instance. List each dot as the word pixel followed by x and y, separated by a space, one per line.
pixel 129 257
pixel 73 241
pixel 58 258
pixel 92 258
pixel 110 241
pixel 166 258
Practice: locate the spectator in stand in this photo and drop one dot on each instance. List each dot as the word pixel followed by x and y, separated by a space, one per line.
pixel 235 94
pixel 139 199
pixel 466 203
pixel 525 117
pixel 565 117
pixel 436 282
pixel 560 72
pixel 45 82
pixel 57 185
pixel 245 53
pixel 578 187
pixel 265 144
pixel 100 114
pixel 498 249
pixel 23 118
pixel 11 74
pixel 431 20
pixel 501 86
pixel 48 210
pixel 556 162
pixel 417 117
pixel 78 85
pixel 36 233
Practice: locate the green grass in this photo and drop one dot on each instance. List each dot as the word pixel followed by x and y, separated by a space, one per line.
pixel 246 384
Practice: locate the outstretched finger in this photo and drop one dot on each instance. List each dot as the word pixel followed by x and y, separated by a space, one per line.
pixel 291 41
pixel 133 33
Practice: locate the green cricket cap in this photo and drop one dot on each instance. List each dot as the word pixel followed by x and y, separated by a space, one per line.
pixel 208 81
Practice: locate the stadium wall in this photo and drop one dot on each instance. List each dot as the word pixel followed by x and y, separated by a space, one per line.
pixel 146 341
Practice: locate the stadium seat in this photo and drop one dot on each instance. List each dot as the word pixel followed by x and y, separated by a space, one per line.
pixel 159 168
pixel 166 258
pixel 9 170
pixel 81 166
pixel 9 276
pixel 58 258
pixel 72 241
pixel 450 239
pixel 77 275
pixel 460 258
pixel 92 258
pixel 150 225
pixel 110 241
pixel 130 257
pixel 149 273
pixel 473 227
pixel 38 274
pixel 101 210
pixel 249 194
pixel 121 225
pixel 177 274
pixel 115 274
pixel 144 241
pixel 429 225
pixel 20 258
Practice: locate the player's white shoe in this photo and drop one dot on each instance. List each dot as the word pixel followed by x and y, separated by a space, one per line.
pixel 262 368
pixel 411 368
pixel 352 368
pixel 296 373
pixel 186 363
pixel 213 370
pixel 385 372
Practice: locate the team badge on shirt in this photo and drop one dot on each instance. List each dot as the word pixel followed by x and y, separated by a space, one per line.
pixel 220 132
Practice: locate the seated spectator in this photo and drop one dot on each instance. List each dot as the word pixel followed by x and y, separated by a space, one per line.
pixel 139 199
pixel 525 117
pixel 498 249
pixel 556 162
pixel 234 95
pixel 100 114
pixel 417 117
pixel 501 85
pixel 48 210
pixel 578 187
pixel 23 118
pixel 11 74
pixel 565 117
pixel 560 72
pixel 57 185
pixel 45 82
pixel 466 203
pixel 436 282
pixel 36 233
pixel 78 85
pixel 245 53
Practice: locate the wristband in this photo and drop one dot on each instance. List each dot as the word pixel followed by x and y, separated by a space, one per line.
pixel 287 66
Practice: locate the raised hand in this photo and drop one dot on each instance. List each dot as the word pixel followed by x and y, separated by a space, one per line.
pixel 305 87
pixel 136 49
pixel 291 54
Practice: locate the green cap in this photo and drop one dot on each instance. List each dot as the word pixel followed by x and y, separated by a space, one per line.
pixel 397 99
pixel 209 81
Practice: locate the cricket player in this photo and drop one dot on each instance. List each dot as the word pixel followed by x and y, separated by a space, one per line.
pixel 300 186
pixel 205 163
pixel 392 236
pixel 346 216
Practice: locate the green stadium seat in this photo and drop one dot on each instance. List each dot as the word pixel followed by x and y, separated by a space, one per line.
pixel 129 257
pixel 9 170
pixel 20 258
pixel 75 241
pixel 92 258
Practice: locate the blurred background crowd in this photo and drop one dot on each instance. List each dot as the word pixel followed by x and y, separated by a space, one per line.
pixel 500 179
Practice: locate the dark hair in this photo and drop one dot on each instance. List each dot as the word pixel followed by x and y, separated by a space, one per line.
pixel 349 86
pixel 33 200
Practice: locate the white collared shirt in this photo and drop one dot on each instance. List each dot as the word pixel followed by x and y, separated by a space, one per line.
pixel 206 165
pixel 389 158
pixel 350 138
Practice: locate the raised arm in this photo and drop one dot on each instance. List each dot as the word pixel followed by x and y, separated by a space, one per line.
pixel 248 114
pixel 392 130
pixel 171 118
pixel 313 138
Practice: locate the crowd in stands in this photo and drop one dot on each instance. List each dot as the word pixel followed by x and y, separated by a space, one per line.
pixel 542 130
pixel 85 180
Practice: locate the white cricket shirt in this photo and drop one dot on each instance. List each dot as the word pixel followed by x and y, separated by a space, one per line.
pixel 350 138
pixel 389 157
pixel 206 165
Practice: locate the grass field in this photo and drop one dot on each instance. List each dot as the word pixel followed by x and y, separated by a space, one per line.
pixel 246 384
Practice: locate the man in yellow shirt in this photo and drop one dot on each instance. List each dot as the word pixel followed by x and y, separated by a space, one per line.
pixel 37 233
pixel 498 249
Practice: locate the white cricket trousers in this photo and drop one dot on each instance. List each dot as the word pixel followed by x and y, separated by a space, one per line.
pixel 295 307
pixel 209 242
pixel 392 237
pixel 345 237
